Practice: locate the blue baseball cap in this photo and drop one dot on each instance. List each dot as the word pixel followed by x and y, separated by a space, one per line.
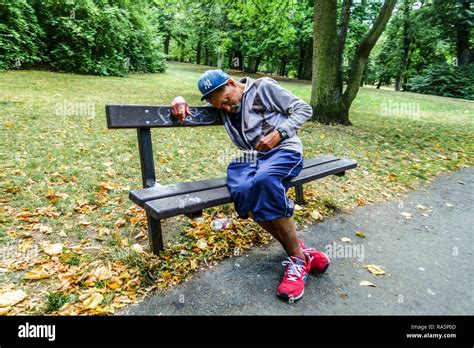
pixel 212 80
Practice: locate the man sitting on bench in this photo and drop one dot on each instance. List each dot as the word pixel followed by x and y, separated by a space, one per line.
pixel 261 119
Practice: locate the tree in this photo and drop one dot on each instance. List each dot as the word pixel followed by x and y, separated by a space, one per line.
pixel 330 105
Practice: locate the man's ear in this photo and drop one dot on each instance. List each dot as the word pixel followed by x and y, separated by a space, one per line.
pixel 231 83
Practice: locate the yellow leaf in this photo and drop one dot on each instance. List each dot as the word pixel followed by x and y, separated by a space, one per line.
pixel 374 269
pixel 53 249
pixel 120 222
pixel 37 273
pixel 11 298
pixel 360 234
pixel 113 285
pixel 4 311
pixel 93 301
pixel 201 244
pixel 366 283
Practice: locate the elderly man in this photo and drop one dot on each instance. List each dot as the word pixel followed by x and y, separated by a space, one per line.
pixel 262 118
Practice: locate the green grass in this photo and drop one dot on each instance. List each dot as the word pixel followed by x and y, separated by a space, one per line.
pixel 47 150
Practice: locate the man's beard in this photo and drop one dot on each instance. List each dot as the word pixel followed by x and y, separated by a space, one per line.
pixel 236 107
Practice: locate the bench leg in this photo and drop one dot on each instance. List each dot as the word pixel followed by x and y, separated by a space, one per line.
pixel 341 173
pixel 155 237
pixel 299 195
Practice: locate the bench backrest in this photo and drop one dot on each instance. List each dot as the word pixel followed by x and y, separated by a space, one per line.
pixel 141 116
pixel 144 117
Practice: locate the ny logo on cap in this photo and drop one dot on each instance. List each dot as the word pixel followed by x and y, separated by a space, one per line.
pixel 207 84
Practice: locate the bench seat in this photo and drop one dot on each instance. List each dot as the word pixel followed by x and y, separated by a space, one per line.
pixel 163 201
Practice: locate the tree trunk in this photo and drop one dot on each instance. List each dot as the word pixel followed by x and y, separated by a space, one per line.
pixel 406 46
pixel 307 72
pixel 363 51
pixel 328 104
pixel 325 94
pixel 220 59
pixel 257 63
pixel 341 40
pixel 282 69
pixel 463 34
pixel 252 64
pixel 301 60
pixel 166 45
pixel 235 60
pixel 206 57
pixel 198 52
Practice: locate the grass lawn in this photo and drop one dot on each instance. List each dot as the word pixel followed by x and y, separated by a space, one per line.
pixel 74 243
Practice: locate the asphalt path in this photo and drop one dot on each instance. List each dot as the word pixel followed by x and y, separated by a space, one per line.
pixel 425 251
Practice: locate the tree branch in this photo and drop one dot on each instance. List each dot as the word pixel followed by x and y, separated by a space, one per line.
pixel 363 51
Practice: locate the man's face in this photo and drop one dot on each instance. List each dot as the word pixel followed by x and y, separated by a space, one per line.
pixel 228 98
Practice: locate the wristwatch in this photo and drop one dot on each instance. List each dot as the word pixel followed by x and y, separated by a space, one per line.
pixel 283 133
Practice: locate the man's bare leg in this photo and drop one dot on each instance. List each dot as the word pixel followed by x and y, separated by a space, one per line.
pixel 268 226
pixel 286 229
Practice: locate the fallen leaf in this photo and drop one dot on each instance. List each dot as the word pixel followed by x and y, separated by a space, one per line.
pixel 422 207
pixel 4 311
pixel 406 215
pixel 53 249
pixel 201 244
pixel 11 298
pixel 449 205
pixel 346 240
pixel 366 283
pixel 120 222
pixel 37 273
pixel 374 269
pixel 93 301
pixel 316 215
pixel 298 207
pixel 360 234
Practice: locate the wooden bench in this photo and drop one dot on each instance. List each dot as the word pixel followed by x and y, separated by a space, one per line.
pixel 190 198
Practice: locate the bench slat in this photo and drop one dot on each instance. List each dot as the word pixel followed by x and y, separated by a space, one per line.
pixel 141 116
pixel 313 173
pixel 190 202
pixel 161 191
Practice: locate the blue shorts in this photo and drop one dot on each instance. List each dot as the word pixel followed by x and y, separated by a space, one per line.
pixel 260 186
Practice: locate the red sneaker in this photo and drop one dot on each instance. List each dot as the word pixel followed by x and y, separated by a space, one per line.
pixel 292 286
pixel 318 260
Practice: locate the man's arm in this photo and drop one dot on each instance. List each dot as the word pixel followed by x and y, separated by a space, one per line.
pixel 278 99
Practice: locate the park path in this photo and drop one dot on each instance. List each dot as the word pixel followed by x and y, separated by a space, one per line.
pixel 428 260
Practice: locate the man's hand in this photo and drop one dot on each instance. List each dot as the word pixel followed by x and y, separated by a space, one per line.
pixel 180 109
pixel 269 141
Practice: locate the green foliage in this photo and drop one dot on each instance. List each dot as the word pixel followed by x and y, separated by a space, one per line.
pixel 55 300
pixel 445 80
pixel 91 37
pixel 20 35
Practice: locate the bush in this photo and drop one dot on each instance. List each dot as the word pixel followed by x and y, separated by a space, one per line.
pixel 445 80
pixel 20 35
pixel 99 38
pixel 102 37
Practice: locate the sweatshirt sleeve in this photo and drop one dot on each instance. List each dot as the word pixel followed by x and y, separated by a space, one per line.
pixel 278 99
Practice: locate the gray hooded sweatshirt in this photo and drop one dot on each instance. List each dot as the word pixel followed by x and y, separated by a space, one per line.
pixel 267 106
